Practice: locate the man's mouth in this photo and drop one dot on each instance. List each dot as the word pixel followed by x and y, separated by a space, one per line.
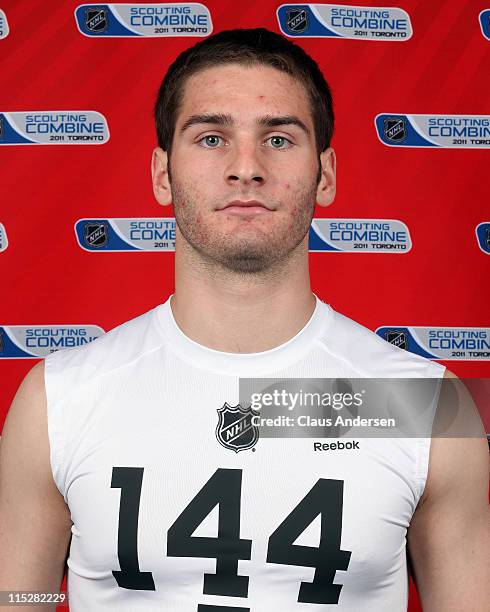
pixel 246 207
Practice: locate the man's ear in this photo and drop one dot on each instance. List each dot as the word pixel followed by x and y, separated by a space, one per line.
pixel 326 187
pixel 160 179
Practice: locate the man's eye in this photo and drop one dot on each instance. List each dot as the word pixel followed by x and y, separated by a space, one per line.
pixel 210 142
pixel 279 142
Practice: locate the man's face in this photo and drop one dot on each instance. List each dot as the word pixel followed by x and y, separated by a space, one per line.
pixel 244 134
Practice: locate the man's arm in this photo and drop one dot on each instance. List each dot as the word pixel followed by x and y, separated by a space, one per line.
pixel 35 522
pixel 449 536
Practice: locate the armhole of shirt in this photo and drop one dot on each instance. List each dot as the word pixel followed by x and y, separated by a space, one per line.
pixel 436 370
pixel 422 471
pixel 54 418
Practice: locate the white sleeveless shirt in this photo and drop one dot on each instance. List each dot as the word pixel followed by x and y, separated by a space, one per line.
pixel 167 517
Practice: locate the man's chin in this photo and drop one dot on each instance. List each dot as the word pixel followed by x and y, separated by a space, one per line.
pixel 246 260
pixel 246 265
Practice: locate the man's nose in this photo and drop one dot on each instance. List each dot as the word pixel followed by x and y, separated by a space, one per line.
pixel 245 165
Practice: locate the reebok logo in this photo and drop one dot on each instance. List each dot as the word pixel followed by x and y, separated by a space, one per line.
pixel 324 446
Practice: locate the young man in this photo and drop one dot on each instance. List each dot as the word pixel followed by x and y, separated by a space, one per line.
pixel 122 445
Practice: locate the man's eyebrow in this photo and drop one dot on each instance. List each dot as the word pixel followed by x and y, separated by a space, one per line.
pixel 212 118
pixel 275 121
pixel 227 121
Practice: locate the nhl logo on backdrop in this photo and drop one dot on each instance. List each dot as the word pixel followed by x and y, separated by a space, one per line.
pixel 96 20
pixel 397 338
pixel 395 130
pixel 96 234
pixel 235 429
pixel 296 20
pixel 482 231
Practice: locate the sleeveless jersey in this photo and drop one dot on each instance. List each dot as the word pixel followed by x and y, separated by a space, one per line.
pixel 167 517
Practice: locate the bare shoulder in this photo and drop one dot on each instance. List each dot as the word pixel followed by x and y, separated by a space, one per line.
pixel 24 434
pixel 34 519
pixel 449 535
pixel 459 449
pixel 26 420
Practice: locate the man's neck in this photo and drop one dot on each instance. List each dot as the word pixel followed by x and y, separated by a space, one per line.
pixel 242 313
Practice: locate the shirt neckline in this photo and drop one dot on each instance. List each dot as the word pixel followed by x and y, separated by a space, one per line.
pixel 242 364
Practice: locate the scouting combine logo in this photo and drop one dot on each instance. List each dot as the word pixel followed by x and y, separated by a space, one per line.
pixel 126 234
pixel 137 20
pixel 4 26
pixel 235 429
pixel 437 131
pixel 359 235
pixel 446 343
pixel 340 21
pixel 484 19
pixel 482 235
pixel 3 238
pixel 35 341
pixel 53 127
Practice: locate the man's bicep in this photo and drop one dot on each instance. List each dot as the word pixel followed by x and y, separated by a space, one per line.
pixel 34 519
pixel 448 537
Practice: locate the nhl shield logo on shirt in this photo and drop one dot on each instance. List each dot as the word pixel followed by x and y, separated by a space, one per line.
pixel 235 429
pixel 296 20
pixel 96 20
pixel 96 234
pixel 397 338
pixel 395 129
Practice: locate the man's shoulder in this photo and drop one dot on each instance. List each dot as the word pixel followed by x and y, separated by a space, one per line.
pixel 371 355
pixel 120 346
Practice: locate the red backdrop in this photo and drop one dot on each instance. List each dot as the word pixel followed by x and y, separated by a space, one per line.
pixel 441 195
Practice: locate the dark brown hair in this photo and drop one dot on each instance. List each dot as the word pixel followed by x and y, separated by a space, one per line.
pixel 246 47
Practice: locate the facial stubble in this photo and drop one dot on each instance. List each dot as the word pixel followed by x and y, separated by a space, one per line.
pixel 242 253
